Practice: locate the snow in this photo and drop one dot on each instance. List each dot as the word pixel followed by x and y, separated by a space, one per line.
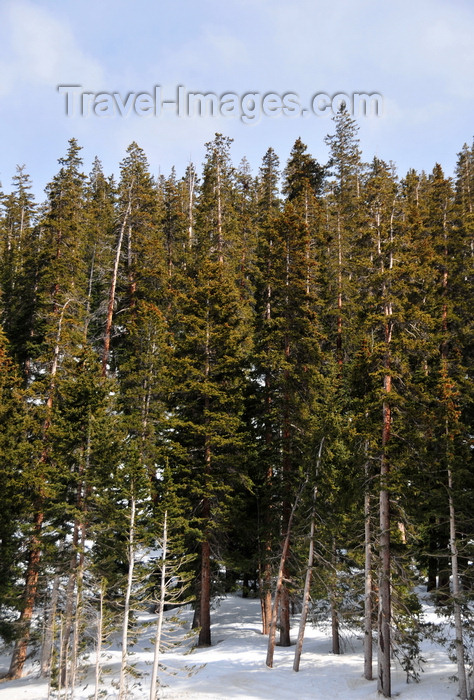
pixel 234 666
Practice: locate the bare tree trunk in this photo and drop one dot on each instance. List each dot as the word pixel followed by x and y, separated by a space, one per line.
pixel 191 186
pixel 156 656
pixel 77 561
pixel 31 587
pixel 456 583
pixel 433 563
pixel 385 603
pixel 47 648
pixel 309 572
pixel 205 590
pixel 205 631
pixel 339 353
pixel 265 591
pixel 98 650
pixel 266 578
pixel 113 286
pixel 78 614
pixel 368 605
pixel 60 661
pixel 285 640
pixel 336 641
pixel 197 603
pixel 306 593
pixel 458 627
pixel 276 603
pixel 384 679
pixel 53 639
pixel 128 593
pixel 89 294
pixel 279 584
pixel 69 610
pixel 220 240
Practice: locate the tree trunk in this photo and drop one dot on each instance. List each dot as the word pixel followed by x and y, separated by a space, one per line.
pixel 384 680
pixel 159 625
pixel 205 631
pixel 113 286
pixel 279 585
pixel 266 593
pixel 53 639
pixel 306 591
pixel 98 649
pixel 60 661
pixel 205 601
pixel 309 571
pixel 78 613
pixel 126 613
pixel 69 611
pixel 456 584
pixel 80 525
pixel 368 607
pixel 266 578
pixel 220 240
pixel 89 294
pixel 432 558
pixel 276 603
pixel 285 640
pixel 458 627
pixel 339 354
pixel 47 648
pixel 336 642
pixel 385 604
pixel 31 587
pixel 191 186
pixel 197 604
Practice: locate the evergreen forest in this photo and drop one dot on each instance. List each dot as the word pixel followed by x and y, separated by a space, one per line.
pixel 265 376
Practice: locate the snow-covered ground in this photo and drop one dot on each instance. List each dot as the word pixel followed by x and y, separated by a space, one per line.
pixel 234 666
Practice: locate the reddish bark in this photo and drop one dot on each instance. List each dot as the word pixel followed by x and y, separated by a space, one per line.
pixel 31 587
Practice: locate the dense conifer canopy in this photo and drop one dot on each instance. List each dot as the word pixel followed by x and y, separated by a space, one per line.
pixel 222 347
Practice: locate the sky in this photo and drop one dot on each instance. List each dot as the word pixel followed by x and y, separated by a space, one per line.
pixel 417 54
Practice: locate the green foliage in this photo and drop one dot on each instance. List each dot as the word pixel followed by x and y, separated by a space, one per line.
pixel 247 324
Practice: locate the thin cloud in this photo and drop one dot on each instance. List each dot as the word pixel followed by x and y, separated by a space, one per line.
pixel 42 50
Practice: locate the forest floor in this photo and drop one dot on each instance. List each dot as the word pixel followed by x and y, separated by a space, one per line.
pixel 234 666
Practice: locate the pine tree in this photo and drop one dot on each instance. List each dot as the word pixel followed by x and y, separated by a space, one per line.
pixel 216 215
pixel 268 206
pixel 207 399
pixel 343 219
pixel 100 225
pixel 60 304
pixel 289 357
pixel 138 267
pixel 195 348
pixel 14 453
pixel 304 176
pixel 382 196
pixel 343 222
pixel 20 248
pixel 451 403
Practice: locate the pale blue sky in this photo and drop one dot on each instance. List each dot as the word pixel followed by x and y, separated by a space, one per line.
pixel 419 54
